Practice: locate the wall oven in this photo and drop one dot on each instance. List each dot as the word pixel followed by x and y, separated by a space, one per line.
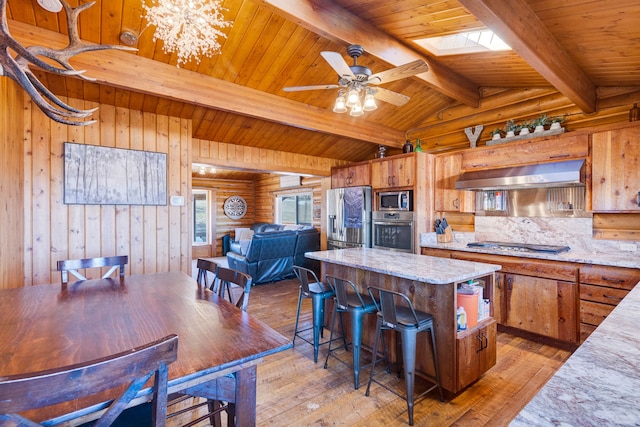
pixel 393 230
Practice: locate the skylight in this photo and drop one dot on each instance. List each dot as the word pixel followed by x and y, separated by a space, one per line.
pixel 469 42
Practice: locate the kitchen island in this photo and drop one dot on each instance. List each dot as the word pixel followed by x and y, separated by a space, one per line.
pixel 431 283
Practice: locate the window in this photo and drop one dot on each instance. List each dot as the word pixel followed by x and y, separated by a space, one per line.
pixel 201 223
pixel 294 209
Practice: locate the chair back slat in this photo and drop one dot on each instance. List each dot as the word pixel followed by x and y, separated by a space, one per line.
pixel 133 368
pixel 73 265
pixel 228 277
pixel 206 266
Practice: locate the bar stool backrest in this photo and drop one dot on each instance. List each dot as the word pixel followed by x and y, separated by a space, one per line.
pixel 390 304
pixel 303 275
pixel 344 289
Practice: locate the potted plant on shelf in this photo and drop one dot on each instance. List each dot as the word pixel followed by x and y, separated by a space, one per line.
pixel 524 127
pixel 497 133
pixel 540 123
pixel 556 122
pixel 511 127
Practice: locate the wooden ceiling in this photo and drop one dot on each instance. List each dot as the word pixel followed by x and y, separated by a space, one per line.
pixel 580 58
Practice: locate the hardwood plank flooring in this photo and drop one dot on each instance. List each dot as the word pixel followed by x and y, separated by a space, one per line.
pixel 294 391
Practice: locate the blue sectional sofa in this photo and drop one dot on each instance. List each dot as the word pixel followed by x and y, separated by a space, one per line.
pixel 273 252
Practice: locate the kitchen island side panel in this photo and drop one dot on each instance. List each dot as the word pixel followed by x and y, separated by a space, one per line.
pixel 438 300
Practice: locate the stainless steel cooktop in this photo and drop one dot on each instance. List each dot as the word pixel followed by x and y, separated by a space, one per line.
pixel 521 247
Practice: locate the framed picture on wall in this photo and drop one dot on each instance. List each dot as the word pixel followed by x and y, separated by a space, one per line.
pixel 95 175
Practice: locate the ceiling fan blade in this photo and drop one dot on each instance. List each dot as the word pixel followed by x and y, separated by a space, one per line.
pixel 401 72
pixel 391 97
pixel 338 63
pixel 316 87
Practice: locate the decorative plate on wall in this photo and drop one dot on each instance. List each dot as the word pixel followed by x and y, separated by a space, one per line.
pixel 235 207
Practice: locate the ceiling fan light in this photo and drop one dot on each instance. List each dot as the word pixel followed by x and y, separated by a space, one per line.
pixel 353 98
pixel 369 102
pixel 356 110
pixel 340 106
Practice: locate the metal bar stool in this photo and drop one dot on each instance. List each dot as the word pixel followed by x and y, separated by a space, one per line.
pixel 318 292
pixel 396 312
pixel 348 299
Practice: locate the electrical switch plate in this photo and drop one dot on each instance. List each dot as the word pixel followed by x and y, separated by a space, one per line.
pixel 628 247
pixel 177 201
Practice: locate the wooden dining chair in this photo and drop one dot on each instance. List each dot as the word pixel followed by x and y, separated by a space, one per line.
pixel 205 267
pixel 73 265
pixel 133 368
pixel 230 281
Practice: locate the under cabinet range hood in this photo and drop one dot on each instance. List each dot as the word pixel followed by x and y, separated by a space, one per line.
pixel 544 175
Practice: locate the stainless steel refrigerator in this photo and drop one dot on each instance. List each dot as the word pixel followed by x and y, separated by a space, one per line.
pixel 349 217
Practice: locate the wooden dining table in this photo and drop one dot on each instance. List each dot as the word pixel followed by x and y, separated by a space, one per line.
pixel 48 326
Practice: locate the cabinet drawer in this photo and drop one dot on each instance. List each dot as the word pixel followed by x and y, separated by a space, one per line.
pixel 615 277
pixel 585 331
pixel 602 294
pixel 593 313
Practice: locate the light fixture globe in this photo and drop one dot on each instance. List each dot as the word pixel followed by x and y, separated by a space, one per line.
pixel 369 101
pixel 341 105
pixel 353 97
pixel 356 110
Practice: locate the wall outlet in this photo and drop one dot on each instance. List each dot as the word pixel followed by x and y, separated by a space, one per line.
pixel 628 247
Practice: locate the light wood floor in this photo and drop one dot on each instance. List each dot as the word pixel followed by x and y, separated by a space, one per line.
pixel 294 391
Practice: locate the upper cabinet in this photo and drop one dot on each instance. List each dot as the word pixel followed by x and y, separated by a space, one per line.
pixel 351 176
pixel 447 198
pixel 396 171
pixel 615 159
pixel 574 145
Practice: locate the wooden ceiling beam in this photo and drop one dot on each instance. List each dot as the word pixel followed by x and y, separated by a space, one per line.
pixel 518 25
pixel 128 71
pixel 325 18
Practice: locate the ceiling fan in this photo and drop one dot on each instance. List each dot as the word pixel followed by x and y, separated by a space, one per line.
pixel 354 81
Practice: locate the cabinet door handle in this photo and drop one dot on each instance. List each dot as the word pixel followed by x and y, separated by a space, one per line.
pixel 510 283
pixel 611 297
pixel 456 203
pixel 613 279
pixel 499 281
pixel 389 180
pixel 481 344
pixel 486 340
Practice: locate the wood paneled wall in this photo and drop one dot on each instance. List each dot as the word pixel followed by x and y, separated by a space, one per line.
pixel 260 197
pixel 222 190
pixel 260 159
pixel 156 238
pixel 11 184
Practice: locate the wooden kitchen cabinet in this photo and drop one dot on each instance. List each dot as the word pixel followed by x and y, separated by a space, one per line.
pixel 447 198
pixel 616 170
pixel 396 171
pixel 532 295
pixel 574 145
pixel 353 175
pixel 601 289
pixel 543 306
pixel 476 350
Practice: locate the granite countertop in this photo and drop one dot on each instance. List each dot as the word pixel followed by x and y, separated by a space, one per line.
pixel 621 259
pixel 598 385
pixel 422 268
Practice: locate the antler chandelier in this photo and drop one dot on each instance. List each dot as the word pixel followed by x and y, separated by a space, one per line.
pixel 17 68
pixel 188 27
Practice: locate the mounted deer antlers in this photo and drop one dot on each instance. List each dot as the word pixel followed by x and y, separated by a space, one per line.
pixel 18 68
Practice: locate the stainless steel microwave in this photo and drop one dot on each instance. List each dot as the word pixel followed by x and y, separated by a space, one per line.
pixel 395 201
